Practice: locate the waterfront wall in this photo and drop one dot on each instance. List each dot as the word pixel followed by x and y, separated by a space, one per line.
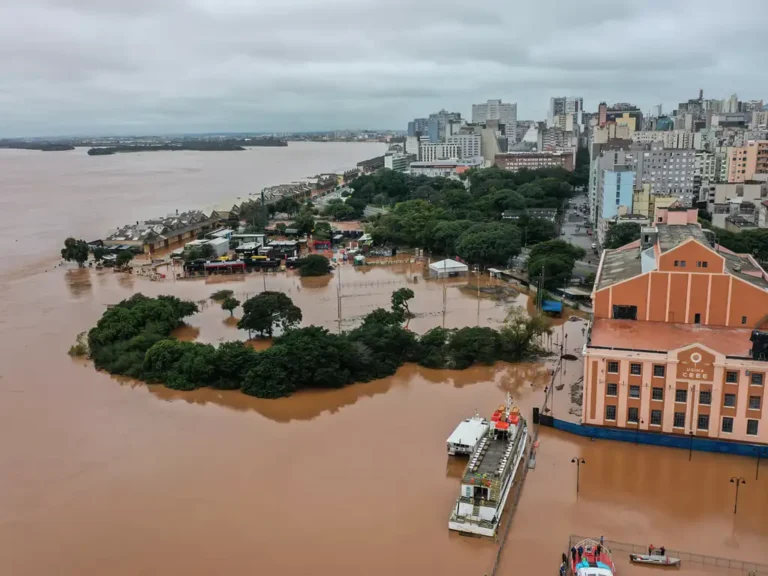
pixel 642 437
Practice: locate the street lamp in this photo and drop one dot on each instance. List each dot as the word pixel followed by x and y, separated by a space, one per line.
pixel 760 453
pixel 578 462
pixel 690 450
pixel 738 480
pixel 637 431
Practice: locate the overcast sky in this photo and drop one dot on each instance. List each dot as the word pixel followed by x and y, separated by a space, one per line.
pixel 150 66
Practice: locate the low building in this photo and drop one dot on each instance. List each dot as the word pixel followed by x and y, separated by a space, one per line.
pixel 220 246
pixel 448 269
pixel 516 161
pixel 397 161
pixel 161 233
pixel 444 168
pixel 431 151
pixel 672 348
pixel 739 223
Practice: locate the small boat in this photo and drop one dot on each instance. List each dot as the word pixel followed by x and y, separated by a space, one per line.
pixel 655 559
pixel 591 562
pixel 468 433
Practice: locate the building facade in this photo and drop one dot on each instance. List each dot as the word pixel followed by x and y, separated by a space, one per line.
pixel 670 349
pixel 514 161
pixel 470 145
pixel 429 151
pixel 668 171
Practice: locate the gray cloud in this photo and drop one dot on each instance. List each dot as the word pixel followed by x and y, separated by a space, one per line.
pixel 111 66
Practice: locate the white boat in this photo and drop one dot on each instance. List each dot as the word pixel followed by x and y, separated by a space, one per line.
pixel 655 559
pixel 468 433
pixel 590 558
pixel 488 477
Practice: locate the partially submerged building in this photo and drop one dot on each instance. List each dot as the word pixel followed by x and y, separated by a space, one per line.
pixel 677 344
pixel 161 233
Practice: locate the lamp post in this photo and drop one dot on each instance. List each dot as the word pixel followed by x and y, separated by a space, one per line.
pixel 759 451
pixel 637 431
pixel 738 480
pixel 690 450
pixel 578 462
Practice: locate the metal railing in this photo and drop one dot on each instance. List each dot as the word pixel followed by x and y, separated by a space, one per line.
pixel 752 568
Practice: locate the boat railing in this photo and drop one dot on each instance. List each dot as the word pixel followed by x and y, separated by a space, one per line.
pixel 685 557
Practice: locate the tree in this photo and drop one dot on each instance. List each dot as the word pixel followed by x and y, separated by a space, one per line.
pixel 221 295
pixel 232 362
pixel 266 311
pixel 198 252
pixel 75 250
pixel 305 221
pixel 322 231
pixel 339 210
pixel 554 260
pixel 620 235
pixel 98 253
pixel 445 235
pixel 491 244
pixel 400 302
pixel 229 304
pixel 314 265
pixel 536 230
pixel 287 205
pixel 123 258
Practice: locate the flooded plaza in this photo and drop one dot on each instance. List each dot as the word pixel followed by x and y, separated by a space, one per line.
pixel 110 476
pixel 113 476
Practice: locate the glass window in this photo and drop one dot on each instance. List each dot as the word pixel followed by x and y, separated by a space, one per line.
pixel 752 427
pixel 705 397
pixel 658 371
pixel 704 264
pixel 633 415
pixel 656 417
pixel 634 391
pixel 679 421
pixel 754 402
pixel 612 390
pixel 681 395
pixel 756 378
pixel 703 423
pixel 682 263
pixel 610 413
pixel 613 367
pixel 732 377
pixel 727 424
pixel 729 400
pixel 636 369
pixel 657 393
pixel 743 319
pixel 677 262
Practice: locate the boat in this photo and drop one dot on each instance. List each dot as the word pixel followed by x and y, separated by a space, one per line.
pixel 592 563
pixel 487 480
pixel 468 433
pixel 655 559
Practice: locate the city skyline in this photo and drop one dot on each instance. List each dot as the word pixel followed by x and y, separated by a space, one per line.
pixel 86 67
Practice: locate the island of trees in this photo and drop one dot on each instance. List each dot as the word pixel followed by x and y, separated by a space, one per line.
pixel 133 338
pixel 36 145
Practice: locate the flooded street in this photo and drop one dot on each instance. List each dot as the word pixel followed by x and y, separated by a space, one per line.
pixel 110 476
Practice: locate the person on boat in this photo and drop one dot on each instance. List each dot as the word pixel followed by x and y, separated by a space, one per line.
pixel 580 552
pixel 562 569
pixel 573 553
pixel 663 551
pixel 602 540
pixel 598 549
pixel 650 550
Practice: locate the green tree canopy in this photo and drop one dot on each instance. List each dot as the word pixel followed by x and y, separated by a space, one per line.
pixel 124 257
pixel 314 265
pixel 490 244
pixel 619 235
pixel 75 250
pixel 269 310
pixel 554 260
pixel 229 304
pixel 305 221
pixel 339 210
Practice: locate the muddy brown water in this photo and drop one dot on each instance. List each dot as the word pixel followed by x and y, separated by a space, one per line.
pixel 109 476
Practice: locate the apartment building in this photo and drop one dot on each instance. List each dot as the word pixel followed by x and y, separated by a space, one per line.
pixel 667 170
pixel 470 145
pixel 429 151
pixel 515 161
pixel 677 345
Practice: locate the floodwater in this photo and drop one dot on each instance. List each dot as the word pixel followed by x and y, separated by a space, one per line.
pixel 109 476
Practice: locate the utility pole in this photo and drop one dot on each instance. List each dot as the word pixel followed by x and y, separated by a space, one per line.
pixel 738 480
pixel 478 296
pixel 445 297
pixel 578 462
pixel 338 296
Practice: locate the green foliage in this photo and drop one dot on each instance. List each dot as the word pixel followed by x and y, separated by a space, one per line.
pixel 305 221
pixel 619 235
pixel 489 244
pixel 75 250
pixel 340 210
pixel 537 230
pixel 314 265
pixel 754 242
pixel 446 234
pixel 198 252
pixel 229 304
pixel 80 348
pixel 124 258
pixel 98 253
pixel 322 231
pixel 554 260
pixel 132 338
pixel 269 310
pixel 288 205
pixel 221 295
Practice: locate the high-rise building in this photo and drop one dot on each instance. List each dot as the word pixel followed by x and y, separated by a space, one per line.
pixel 565 105
pixel 667 170
pixel 505 113
pixel 418 127
pixel 437 122
pixel 469 144
pixel 749 162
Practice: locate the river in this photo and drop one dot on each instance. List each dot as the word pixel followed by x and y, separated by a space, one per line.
pixel 108 476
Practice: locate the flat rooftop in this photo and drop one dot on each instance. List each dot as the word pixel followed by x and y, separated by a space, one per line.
pixel 661 336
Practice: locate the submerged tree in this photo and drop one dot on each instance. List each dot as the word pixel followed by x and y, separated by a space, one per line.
pixel 75 250
pixel 229 304
pixel 267 311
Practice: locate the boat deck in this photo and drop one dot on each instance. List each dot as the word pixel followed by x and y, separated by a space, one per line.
pixel 489 461
pixel 491 457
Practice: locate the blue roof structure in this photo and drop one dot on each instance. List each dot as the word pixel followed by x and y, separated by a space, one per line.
pixel 552 306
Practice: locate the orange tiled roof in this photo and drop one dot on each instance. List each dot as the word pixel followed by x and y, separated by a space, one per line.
pixel 634 335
